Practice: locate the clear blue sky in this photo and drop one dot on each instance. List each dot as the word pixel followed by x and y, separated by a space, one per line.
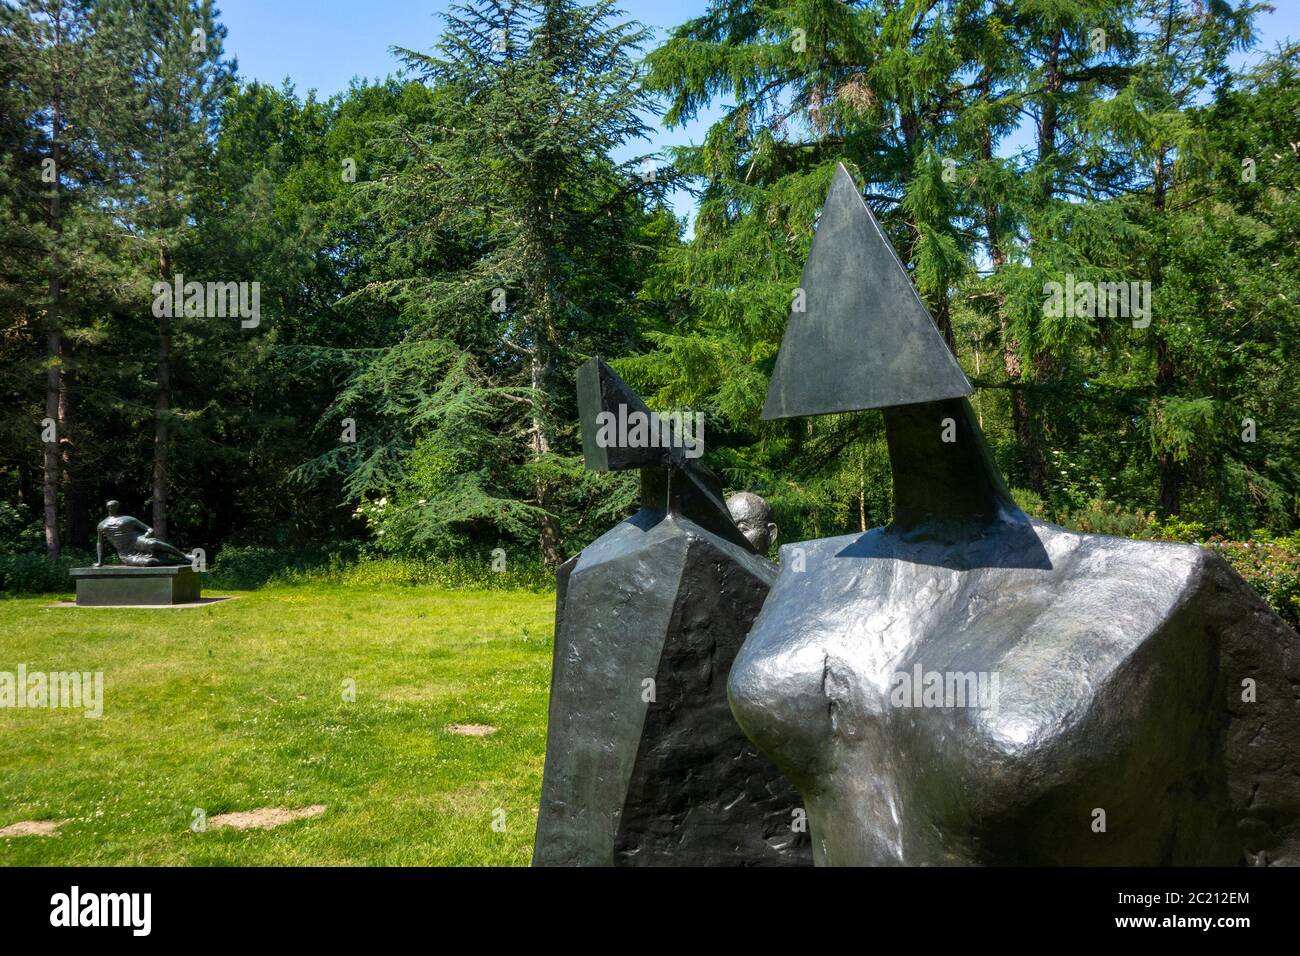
pixel 323 44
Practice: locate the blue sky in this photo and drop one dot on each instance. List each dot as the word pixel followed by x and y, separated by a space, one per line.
pixel 323 44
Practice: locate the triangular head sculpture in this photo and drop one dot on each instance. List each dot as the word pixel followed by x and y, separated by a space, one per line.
pixel 971 686
pixel 865 340
pixel 853 284
pixel 671 482
pixel 644 763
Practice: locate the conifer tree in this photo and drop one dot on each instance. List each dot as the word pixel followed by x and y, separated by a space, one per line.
pixel 73 95
pixel 523 247
pixel 181 79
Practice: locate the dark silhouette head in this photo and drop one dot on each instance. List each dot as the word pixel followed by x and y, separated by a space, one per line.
pixel 671 481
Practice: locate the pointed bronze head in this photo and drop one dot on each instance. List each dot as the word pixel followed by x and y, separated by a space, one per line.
pixel 863 339
pixel 671 481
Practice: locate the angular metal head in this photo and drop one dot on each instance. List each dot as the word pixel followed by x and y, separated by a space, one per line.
pixel 671 482
pixel 864 338
pixel 605 399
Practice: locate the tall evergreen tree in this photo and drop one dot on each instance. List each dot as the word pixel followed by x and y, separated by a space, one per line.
pixel 74 93
pixel 181 79
pixel 538 235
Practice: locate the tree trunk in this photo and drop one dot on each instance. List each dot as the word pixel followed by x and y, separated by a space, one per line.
pixel 1170 500
pixel 162 407
pixel 943 319
pixel 1171 477
pixel 51 461
pixel 1021 420
pixel 549 530
pixel 27 484
pixel 54 318
pixel 74 501
pixel 862 490
pixel 1027 407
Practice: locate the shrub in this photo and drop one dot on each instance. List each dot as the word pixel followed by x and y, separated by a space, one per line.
pixel 346 565
pixel 1271 567
pixel 255 565
pixel 1099 516
pixel 1029 502
pixel 20 533
pixel 458 573
pixel 34 573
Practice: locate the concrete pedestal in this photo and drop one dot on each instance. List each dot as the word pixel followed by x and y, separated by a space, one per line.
pixel 120 585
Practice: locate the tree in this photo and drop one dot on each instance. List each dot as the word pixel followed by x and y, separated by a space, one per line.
pixel 522 251
pixel 73 97
pixel 181 79
pixel 877 86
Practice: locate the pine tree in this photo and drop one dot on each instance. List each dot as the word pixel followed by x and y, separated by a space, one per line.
pixel 181 80
pixel 524 245
pixel 878 86
pixel 73 95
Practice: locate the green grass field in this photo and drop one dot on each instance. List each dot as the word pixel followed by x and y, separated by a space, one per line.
pixel 240 705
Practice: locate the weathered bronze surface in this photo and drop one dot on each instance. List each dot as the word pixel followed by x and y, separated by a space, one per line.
pixel 644 763
pixel 151 572
pixel 134 542
pixel 864 339
pixel 753 516
pixel 970 686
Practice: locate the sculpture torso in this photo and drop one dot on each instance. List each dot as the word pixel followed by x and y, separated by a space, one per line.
pixel 124 533
pixel 1146 705
pixel 1102 690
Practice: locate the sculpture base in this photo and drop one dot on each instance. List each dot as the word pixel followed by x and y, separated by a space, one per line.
pixel 121 586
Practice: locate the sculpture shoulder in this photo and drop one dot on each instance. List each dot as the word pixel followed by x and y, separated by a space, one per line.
pixel 651 542
pixel 1062 612
pixel 1066 575
pixel 1099 628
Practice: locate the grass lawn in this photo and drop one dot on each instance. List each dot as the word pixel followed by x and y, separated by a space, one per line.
pixel 240 705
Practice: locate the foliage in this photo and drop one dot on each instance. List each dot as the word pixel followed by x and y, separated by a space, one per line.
pixel 391 397
pixel 32 572
pixel 348 566
pixel 522 253
pixel 1272 567
pixel 18 530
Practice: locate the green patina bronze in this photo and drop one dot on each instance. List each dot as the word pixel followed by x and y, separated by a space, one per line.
pixel 134 542
pixel 152 572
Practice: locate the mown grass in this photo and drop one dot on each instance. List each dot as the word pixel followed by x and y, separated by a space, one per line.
pixel 240 705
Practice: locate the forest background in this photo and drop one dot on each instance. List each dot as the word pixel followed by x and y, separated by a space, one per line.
pixel 425 260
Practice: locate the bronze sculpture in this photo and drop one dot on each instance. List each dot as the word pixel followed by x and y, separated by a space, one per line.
pixel 134 542
pixel 1140 706
pixel 753 516
pixel 644 764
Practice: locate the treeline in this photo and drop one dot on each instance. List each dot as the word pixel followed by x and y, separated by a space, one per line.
pixel 261 318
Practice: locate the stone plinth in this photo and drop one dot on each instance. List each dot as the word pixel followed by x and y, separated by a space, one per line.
pixel 120 585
